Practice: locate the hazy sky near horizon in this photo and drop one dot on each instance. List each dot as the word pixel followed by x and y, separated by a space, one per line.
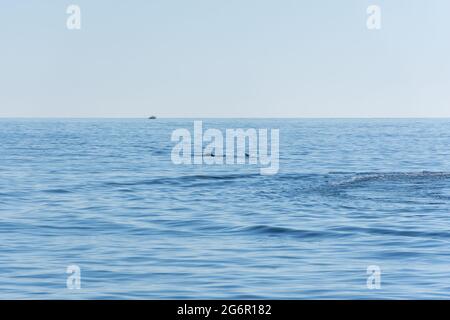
pixel 225 58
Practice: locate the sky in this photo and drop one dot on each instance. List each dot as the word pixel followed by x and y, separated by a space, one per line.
pixel 225 58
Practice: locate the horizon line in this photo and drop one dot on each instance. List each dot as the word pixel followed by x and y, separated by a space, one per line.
pixel 210 117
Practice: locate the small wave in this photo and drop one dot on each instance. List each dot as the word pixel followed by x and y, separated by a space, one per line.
pixel 393 176
pixel 181 180
pixel 281 231
pixel 57 191
pixel 220 177
pixel 394 232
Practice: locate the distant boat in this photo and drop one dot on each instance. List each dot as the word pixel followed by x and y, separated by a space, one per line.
pixel 152 117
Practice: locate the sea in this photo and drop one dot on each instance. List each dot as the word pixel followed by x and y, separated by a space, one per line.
pixel 97 209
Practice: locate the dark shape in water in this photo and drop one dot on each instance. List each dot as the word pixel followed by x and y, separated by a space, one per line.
pixel 213 155
pixel 152 117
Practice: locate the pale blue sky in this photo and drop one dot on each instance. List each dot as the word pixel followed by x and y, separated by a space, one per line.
pixel 225 58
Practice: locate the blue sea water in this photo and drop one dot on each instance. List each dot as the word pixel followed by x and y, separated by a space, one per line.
pixel 104 194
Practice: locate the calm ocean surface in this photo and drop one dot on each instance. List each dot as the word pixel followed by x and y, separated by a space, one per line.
pixel 104 195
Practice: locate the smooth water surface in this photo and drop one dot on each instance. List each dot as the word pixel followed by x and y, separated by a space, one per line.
pixel 104 195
